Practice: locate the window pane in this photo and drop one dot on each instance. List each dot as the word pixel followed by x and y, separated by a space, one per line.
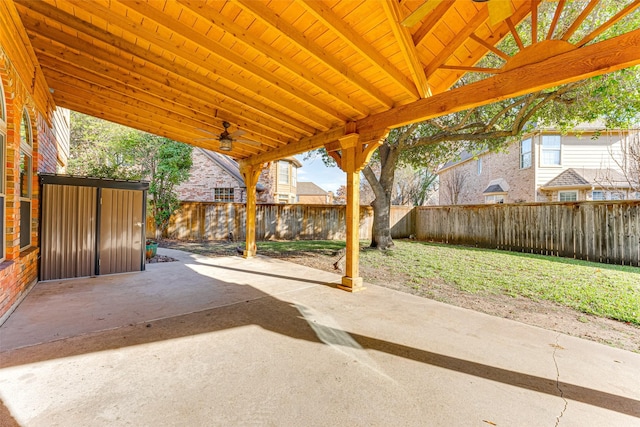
pixel 551 141
pixel 597 195
pixel 25 224
pixel 550 157
pixel 525 147
pixel 568 196
pixel 223 195
pixel 25 129
pixel 284 172
pixel 25 175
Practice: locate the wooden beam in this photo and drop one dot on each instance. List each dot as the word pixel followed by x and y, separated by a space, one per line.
pixel 490 47
pixel 430 23
pixel 266 15
pixel 274 55
pixel 591 60
pixel 250 173
pixel 408 49
pixel 347 35
pixel 556 17
pixel 579 20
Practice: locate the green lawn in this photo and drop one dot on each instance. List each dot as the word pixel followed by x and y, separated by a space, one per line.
pixel 593 288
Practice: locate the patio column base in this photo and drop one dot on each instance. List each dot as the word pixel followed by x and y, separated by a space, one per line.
pixel 248 254
pixel 352 284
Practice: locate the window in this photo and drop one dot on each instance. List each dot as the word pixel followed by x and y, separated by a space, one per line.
pixel 494 198
pixel 3 161
pixel 294 176
pixel 567 196
pixel 597 195
pixel 525 153
pixel 283 174
pixel 223 195
pixel 283 198
pixel 550 150
pixel 479 165
pixel 617 195
pixel 26 175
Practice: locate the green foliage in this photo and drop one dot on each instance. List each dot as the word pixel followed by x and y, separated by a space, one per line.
pixel 106 150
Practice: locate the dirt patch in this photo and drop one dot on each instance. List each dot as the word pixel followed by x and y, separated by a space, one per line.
pixel 543 314
pixel 160 258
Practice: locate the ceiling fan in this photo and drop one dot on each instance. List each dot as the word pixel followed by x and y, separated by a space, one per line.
pixel 227 139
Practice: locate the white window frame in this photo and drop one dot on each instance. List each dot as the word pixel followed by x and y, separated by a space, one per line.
pixel 283 172
pixel 479 165
pixel 494 198
pixel 283 198
pixel 3 162
pixel 548 149
pixel 294 176
pixel 600 192
pixel 525 156
pixel 224 195
pixel 26 150
pixel 561 193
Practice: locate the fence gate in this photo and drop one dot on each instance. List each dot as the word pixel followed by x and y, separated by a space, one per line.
pixel 91 226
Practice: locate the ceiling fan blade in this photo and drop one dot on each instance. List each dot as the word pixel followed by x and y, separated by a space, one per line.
pixel 238 132
pixel 248 142
pixel 422 11
pixel 205 139
pixel 207 131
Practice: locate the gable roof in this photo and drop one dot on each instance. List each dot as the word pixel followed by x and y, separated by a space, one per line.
pixel 585 177
pixel 309 189
pixel 226 163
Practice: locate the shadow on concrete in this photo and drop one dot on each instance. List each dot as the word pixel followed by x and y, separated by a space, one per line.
pixel 284 318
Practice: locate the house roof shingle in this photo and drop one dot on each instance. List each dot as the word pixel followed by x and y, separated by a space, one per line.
pixel 309 189
pixel 587 177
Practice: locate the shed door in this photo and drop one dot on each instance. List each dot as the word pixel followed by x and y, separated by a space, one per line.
pixel 68 231
pixel 121 240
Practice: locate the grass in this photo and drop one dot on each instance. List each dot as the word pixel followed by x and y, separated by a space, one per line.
pixel 599 289
pixel 592 288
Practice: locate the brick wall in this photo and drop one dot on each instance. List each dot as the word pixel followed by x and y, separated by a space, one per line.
pixel 504 165
pixel 19 268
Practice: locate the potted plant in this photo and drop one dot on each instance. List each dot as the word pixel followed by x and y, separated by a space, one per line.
pixel 151 249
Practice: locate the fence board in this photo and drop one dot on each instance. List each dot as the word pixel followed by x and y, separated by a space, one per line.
pixel 606 231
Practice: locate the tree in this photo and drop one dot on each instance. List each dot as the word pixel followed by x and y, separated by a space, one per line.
pixel 106 150
pixel 451 191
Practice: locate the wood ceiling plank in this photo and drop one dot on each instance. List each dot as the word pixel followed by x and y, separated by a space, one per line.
pixel 166 129
pixel 119 63
pixel 348 36
pixel 171 66
pixel 460 37
pixel 405 42
pixel 226 55
pixel 285 29
pixel 246 38
pixel 432 20
pixel 151 91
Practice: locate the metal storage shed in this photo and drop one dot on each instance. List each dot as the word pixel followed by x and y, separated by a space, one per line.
pixel 91 226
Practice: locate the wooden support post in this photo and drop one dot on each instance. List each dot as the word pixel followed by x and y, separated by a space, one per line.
pixel 349 147
pixel 250 174
pixel 352 152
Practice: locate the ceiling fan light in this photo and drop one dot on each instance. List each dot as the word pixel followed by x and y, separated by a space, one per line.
pixel 225 144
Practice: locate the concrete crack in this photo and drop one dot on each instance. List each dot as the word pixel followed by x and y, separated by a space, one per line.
pixel 555 349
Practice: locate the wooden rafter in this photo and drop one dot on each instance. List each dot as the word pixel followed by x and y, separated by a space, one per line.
pixel 359 44
pixel 430 22
pixel 579 20
pixel 556 17
pixel 614 19
pixel 405 42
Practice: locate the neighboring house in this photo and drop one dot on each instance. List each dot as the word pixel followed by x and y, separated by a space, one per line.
pixel 587 164
pixel 311 194
pixel 216 178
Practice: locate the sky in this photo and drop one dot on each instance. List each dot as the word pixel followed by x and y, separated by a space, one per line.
pixel 314 170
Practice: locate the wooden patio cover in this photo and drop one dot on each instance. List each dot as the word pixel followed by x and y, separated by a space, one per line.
pixel 299 75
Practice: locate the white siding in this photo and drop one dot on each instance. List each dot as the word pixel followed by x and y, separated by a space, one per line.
pixel 581 152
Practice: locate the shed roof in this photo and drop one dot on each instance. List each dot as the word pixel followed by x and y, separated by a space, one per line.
pixel 295 75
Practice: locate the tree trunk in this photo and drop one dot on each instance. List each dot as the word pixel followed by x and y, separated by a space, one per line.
pixel 382 187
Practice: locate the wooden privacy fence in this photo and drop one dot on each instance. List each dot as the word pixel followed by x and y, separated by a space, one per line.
pixel 606 232
pixel 219 221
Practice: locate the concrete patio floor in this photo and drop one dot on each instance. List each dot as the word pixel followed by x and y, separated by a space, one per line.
pixel 230 341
